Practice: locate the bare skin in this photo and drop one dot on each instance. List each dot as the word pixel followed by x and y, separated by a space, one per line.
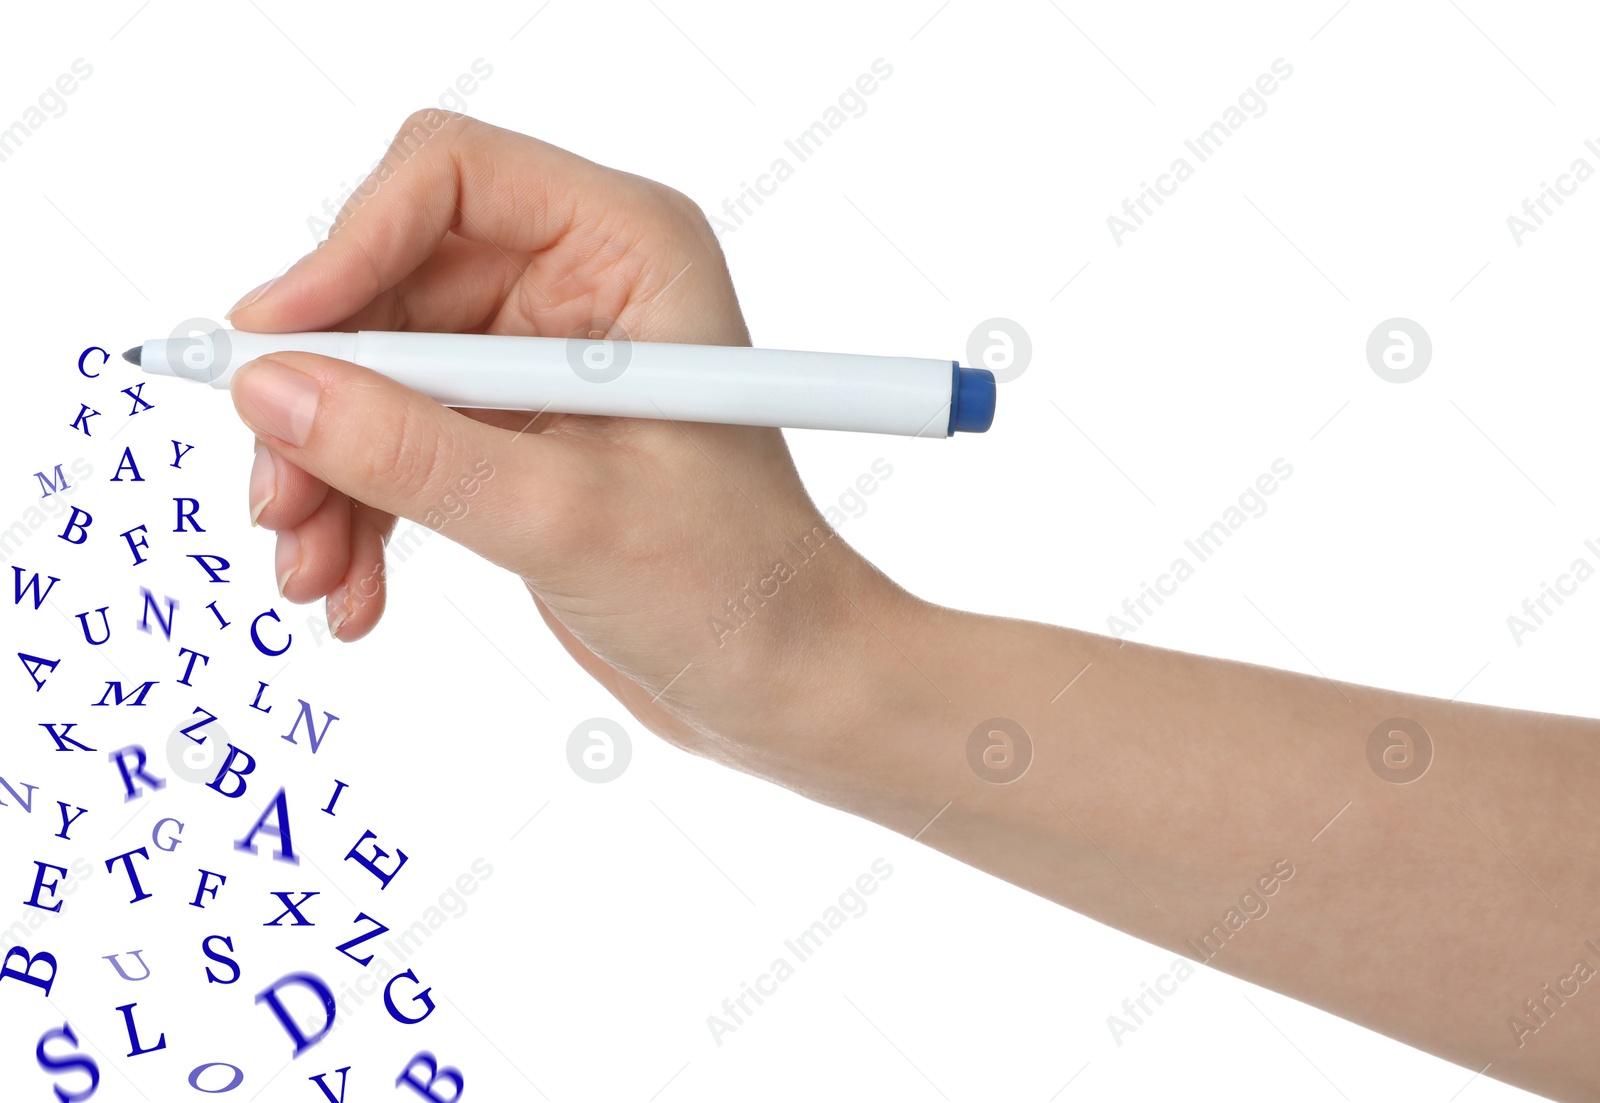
pixel 1163 792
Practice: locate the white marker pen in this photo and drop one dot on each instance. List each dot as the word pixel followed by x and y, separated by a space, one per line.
pixel 718 383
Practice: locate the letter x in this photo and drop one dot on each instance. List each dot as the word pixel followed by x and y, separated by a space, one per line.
pixel 292 907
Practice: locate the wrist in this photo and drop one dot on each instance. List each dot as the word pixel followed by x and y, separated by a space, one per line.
pixel 860 714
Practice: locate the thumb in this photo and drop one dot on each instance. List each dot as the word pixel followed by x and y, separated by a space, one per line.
pixel 400 451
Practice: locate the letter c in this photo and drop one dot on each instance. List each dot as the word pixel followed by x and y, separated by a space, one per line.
pixel 255 635
pixel 104 357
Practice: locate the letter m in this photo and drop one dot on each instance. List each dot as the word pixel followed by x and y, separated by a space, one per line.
pixel 59 482
pixel 115 689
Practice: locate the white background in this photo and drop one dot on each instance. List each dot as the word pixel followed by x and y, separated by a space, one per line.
pixel 1227 332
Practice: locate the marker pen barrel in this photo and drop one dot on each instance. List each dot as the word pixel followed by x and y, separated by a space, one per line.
pixel 734 385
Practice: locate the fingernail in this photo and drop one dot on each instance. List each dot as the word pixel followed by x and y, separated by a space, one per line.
pixel 276 400
pixel 250 297
pixel 263 482
pixel 339 609
pixel 287 560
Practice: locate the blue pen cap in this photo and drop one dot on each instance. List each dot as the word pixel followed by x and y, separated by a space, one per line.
pixel 971 400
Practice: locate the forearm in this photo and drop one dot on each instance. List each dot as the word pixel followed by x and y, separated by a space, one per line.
pixel 1169 794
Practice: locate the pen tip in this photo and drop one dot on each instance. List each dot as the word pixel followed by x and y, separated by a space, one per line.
pixel 132 355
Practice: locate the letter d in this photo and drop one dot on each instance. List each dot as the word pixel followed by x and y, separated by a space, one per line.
pixel 269 996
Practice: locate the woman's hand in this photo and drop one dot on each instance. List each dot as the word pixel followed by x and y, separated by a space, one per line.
pixel 682 565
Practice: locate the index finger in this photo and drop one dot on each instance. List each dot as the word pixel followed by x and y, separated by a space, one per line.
pixel 443 173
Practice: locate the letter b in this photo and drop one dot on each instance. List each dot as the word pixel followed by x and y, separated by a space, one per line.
pixel 74 525
pixel 218 783
pixel 26 973
pixel 452 1077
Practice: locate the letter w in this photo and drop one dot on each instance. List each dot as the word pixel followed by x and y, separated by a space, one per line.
pixel 32 588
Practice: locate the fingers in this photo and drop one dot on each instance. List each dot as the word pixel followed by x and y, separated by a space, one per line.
pixel 399 451
pixel 281 494
pixel 443 173
pixel 456 290
pixel 356 604
pixel 312 556
pixel 337 552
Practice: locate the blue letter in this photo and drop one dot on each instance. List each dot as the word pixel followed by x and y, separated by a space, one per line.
pixel 280 830
pixel 133 877
pixel 138 771
pixel 133 1033
pixel 39 886
pixel 421 997
pixel 227 768
pixel 206 889
pixel 72 1060
pixel 269 996
pixel 435 1074
pixel 372 863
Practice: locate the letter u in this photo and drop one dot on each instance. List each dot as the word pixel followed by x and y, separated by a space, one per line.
pixel 117 965
pixel 83 620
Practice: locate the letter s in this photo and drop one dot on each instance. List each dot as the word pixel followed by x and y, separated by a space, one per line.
pixel 220 959
pixel 73 1060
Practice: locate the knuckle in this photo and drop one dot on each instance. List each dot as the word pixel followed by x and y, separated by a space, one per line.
pixel 688 214
pixel 429 120
pixel 400 453
pixel 570 513
pixel 422 126
pixel 680 205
